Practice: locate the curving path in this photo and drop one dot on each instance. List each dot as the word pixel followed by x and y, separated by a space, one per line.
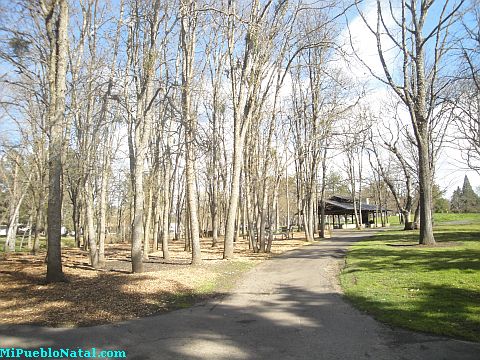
pixel 287 308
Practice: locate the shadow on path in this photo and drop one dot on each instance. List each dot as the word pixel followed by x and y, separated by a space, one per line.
pixel 286 308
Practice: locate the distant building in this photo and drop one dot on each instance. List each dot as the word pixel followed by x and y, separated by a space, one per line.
pixel 340 214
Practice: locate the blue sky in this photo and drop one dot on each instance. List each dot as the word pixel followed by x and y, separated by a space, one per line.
pixel 451 169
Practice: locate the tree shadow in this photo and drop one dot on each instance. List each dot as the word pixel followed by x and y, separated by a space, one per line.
pixel 285 322
pixel 116 297
pixel 447 309
pixel 372 259
pixel 441 235
pixel 290 323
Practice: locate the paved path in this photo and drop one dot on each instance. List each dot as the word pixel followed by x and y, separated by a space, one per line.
pixel 286 308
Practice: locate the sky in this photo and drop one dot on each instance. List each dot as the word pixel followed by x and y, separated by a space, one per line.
pixel 451 168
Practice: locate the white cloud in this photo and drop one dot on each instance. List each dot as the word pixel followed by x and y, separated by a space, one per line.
pixel 359 42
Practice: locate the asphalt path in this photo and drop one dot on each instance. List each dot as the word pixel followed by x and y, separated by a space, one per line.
pixel 289 307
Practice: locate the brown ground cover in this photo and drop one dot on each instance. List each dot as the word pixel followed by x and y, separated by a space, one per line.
pixel 103 296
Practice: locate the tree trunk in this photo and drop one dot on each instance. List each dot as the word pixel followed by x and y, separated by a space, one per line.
pixel 188 42
pixel 416 216
pixel 76 219
pixel 322 193
pixel 262 213
pixel 214 215
pixel 103 215
pixel 148 220
pixel 157 215
pixel 234 197
pixel 425 182
pixel 57 31
pixel 407 221
pixel 92 238
pixel 11 239
pixel 137 225
pixel 287 194
pixel 166 215
pixel 38 224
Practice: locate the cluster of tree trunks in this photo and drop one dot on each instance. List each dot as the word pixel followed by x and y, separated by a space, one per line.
pixel 218 106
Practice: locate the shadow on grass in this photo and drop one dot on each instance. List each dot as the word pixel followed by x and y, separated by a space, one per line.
pixel 443 310
pixel 398 250
pixel 294 323
pixel 431 289
pixel 442 234
pixel 372 259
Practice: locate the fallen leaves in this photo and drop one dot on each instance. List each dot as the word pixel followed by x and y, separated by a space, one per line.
pixel 103 296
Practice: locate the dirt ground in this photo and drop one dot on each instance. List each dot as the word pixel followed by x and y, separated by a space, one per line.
pixel 94 297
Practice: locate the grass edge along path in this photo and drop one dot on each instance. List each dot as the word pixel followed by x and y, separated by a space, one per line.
pixel 225 277
pixel 429 289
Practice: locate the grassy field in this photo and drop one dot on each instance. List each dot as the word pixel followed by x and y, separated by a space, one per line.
pixel 430 289
pixel 393 220
pixel 462 218
pixel 443 218
pixel 67 241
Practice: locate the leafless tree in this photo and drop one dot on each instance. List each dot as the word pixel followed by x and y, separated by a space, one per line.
pixel 188 19
pixel 142 59
pixel 55 15
pixel 466 91
pixel 417 80
pixel 396 169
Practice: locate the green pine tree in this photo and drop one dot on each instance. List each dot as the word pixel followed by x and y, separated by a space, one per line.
pixel 455 202
pixel 465 200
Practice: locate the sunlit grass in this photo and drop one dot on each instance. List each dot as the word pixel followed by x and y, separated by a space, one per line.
pixel 431 289
pixel 464 218
pixel 67 241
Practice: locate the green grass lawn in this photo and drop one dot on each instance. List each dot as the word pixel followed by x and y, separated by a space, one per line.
pixel 67 241
pixel 430 289
pixel 393 220
pixel 467 218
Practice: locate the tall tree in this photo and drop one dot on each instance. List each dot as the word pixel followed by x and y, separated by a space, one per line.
pixel 250 58
pixel 188 18
pixel 55 14
pixel 465 200
pixel 142 61
pixel 417 81
pixel 396 169
pixel 27 87
pixel 466 99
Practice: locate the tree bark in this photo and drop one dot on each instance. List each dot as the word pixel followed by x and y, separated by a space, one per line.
pixel 57 30
pixel 147 225
pixel 188 41
pixel 92 238
pixel 425 182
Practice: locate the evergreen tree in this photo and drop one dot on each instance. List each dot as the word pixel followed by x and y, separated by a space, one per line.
pixel 455 202
pixel 440 204
pixel 470 200
pixel 465 200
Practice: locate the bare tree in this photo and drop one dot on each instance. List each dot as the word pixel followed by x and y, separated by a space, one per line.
pixel 188 19
pixel 466 100
pixel 142 60
pixel 398 173
pixel 417 81
pixel 24 48
pixel 55 14
pixel 215 106
pixel 250 68
pixel 14 177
